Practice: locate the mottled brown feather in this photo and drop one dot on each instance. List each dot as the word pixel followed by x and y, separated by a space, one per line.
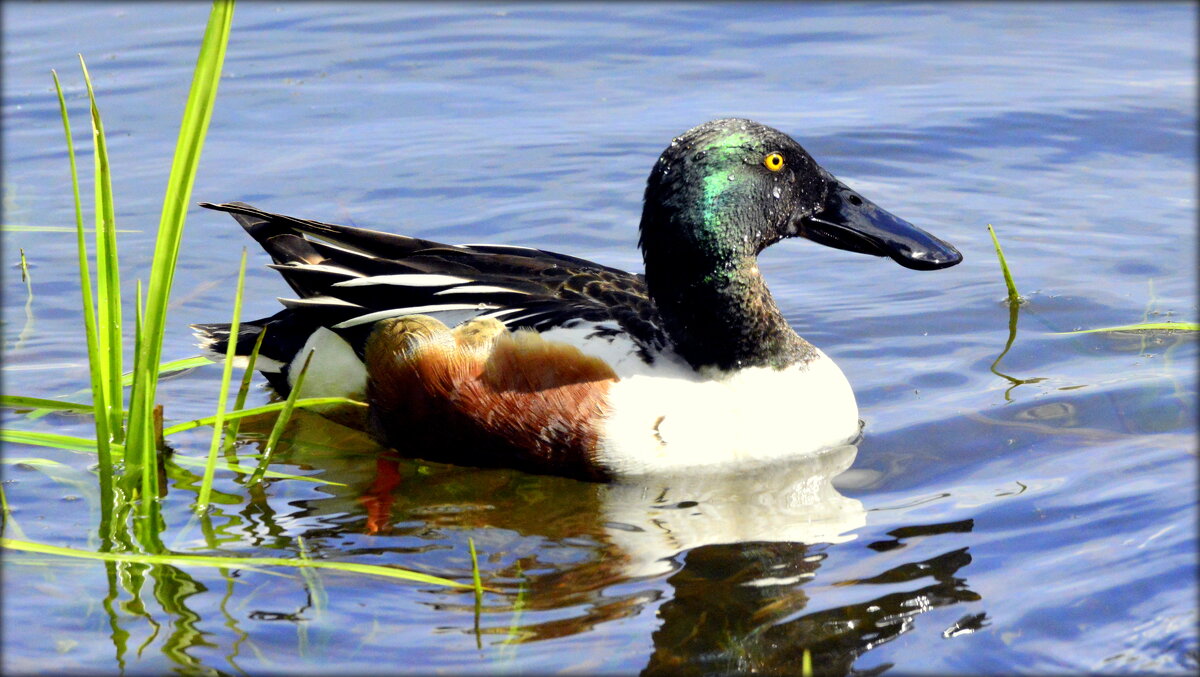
pixel 485 396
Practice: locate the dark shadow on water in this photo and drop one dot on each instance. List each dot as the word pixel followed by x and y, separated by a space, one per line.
pixel 723 619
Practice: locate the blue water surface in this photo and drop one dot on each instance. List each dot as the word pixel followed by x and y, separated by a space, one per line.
pixel 1032 513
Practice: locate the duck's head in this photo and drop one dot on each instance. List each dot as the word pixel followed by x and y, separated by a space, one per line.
pixel 729 188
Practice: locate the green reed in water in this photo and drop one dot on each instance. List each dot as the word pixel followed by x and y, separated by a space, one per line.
pixel 133 436
pixel 1015 298
pixel 226 374
pixel 1145 326
pixel 302 562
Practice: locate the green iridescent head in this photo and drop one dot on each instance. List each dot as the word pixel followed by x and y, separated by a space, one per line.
pixel 729 188
pixel 719 195
pixel 723 191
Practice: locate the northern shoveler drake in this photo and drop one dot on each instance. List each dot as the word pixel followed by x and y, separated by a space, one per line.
pixel 502 355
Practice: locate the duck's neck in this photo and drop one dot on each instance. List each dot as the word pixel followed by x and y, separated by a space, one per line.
pixel 721 314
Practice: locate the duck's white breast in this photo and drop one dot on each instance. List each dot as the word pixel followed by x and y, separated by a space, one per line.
pixel 681 419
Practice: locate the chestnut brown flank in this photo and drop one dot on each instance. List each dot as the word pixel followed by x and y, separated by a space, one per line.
pixel 482 395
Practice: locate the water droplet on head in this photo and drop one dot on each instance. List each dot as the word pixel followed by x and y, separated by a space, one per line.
pixel 776 192
pixel 730 177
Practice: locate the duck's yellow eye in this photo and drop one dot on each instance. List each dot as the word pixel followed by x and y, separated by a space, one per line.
pixel 773 162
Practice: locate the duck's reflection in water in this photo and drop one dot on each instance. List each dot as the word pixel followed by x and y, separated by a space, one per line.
pixel 653 519
pixel 739 609
pixel 740 552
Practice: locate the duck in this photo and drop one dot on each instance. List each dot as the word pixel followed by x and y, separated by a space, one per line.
pixel 502 355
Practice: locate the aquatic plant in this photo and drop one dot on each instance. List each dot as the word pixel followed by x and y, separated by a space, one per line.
pixel 130 442
pixel 1013 297
pixel 1145 326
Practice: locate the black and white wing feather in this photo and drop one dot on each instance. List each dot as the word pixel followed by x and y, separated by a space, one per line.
pixel 348 278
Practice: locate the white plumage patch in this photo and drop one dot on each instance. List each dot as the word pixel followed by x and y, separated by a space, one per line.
pixel 479 289
pixel 502 314
pixel 335 370
pixel 318 267
pixel 404 280
pixel 672 419
pixel 494 247
pixel 415 310
pixel 317 301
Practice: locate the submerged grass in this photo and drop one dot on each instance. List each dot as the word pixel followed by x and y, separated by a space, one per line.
pixel 242 562
pixel 27 329
pixel 237 415
pixel 8 523
pixel 20 402
pixel 1147 326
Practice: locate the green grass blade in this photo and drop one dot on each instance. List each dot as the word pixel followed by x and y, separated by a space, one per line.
pixel 223 398
pixel 9 522
pixel 316 590
pixel 33 461
pixel 83 444
pixel 19 402
pixel 27 329
pixel 244 389
pixel 514 627
pixel 247 470
pixel 108 271
pixel 95 360
pixel 151 447
pixel 476 579
pixel 53 440
pixel 173 366
pixel 264 409
pixel 280 423
pixel 477 584
pixel 137 326
pixel 196 115
pixel 148 461
pixel 247 562
pixel 1148 326
pixel 1013 296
